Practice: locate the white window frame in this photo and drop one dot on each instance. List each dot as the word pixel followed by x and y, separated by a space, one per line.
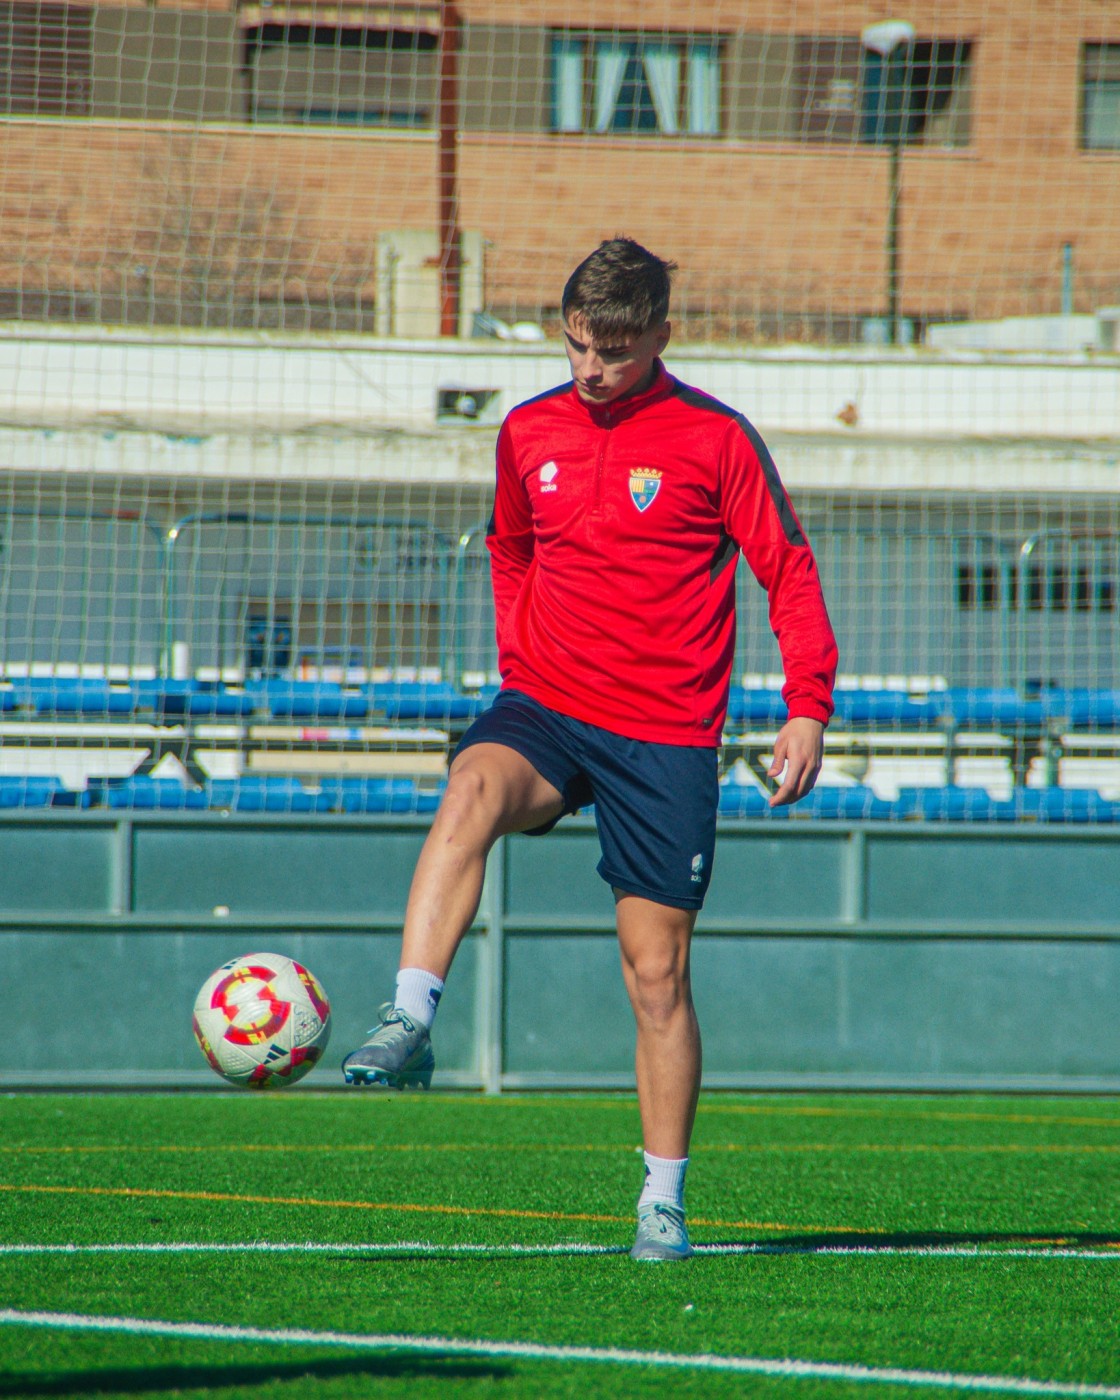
pixel 1100 98
pixel 682 74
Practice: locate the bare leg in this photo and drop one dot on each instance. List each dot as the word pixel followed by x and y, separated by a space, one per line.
pixel 491 790
pixel 654 942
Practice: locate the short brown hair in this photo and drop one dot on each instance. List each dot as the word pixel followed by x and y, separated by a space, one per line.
pixel 619 289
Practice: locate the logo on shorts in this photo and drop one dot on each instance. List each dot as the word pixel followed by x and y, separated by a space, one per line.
pixel 697 869
pixel 548 476
pixel 645 482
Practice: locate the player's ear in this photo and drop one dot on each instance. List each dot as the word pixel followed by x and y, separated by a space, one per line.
pixel 663 334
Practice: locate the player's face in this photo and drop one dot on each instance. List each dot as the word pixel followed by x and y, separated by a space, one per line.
pixel 610 370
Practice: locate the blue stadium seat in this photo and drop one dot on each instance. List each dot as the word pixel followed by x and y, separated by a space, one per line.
pixel 1083 708
pixel 747 706
pixel 262 793
pixel 39 791
pixel 893 708
pixel 164 696
pixel 174 699
pixel 896 708
pixel 143 793
pixel 9 698
pixel 992 707
pixel 745 800
pixel 423 701
pixel 380 795
pixel 92 699
pixel 973 804
pixel 314 700
pixel 953 803
pixel 1070 805
pixel 850 803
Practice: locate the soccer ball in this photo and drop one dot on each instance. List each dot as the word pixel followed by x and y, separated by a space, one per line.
pixel 262 1021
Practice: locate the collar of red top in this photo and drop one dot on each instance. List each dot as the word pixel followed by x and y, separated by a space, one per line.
pixel 629 403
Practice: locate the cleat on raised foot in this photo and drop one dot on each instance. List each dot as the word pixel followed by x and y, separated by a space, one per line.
pixel 397 1055
pixel 662 1235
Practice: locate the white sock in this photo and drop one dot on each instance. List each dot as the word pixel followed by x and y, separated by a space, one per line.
pixel 664 1181
pixel 418 994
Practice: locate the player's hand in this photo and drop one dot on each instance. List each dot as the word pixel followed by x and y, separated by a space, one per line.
pixel 798 749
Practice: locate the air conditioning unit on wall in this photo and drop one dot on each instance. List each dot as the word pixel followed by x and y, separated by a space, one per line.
pixel 408 282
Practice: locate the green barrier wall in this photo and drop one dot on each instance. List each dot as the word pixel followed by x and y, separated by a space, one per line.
pixel 902 956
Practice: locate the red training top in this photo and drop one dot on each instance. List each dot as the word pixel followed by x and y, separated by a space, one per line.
pixel 613 544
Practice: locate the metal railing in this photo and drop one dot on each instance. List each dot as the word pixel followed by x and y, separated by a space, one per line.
pixel 236 593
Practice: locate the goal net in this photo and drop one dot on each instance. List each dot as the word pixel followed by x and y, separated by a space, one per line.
pixel 271 273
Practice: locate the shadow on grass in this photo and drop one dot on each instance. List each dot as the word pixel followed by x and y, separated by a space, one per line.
pixel 140 1379
pixel 870 1243
pixel 985 1242
pixel 481 1254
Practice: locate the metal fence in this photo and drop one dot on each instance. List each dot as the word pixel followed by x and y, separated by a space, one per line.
pixel 244 593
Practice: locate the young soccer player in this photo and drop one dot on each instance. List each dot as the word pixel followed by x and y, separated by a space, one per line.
pixel 623 500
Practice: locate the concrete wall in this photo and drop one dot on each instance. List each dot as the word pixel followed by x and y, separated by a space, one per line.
pixel 827 957
pixel 211 383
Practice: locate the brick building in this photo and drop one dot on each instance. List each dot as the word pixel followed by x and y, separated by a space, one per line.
pixel 237 164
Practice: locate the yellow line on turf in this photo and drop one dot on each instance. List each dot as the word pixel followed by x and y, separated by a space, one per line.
pixel 144 1193
pixel 908 1116
pixel 929 1147
pixel 895 1106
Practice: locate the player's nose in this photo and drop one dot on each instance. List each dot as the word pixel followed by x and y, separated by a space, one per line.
pixel 592 368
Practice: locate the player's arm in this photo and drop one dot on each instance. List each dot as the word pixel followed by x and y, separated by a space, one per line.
pixel 509 534
pixel 760 518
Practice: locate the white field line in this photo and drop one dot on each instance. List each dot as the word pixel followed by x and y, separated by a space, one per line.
pixel 409 1247
pixel 533 1351
pixel 504 1251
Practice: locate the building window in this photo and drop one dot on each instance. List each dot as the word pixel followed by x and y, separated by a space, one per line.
pixel 919 95
pixel 44 60
pixel 1064 588
pixel 1041 587
pixel 828 88
pixel 340 74
pixel 1100 97
pixel 635 85
pixel 842 92
pixel 978 586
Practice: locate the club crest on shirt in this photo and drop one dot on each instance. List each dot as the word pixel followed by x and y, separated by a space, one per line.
pixel 645 482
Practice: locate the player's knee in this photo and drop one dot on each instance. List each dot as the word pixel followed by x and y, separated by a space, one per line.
pixel 472 801
pixel 660 985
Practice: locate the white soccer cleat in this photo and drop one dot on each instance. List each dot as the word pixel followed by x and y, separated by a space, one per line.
pixel 662 1235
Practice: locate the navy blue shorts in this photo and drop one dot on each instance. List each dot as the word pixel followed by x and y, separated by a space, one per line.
pixel 655 804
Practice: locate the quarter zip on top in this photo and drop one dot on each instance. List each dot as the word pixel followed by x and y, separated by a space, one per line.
pixel 597 502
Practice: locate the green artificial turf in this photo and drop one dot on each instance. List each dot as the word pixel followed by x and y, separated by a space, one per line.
pixel 809 1174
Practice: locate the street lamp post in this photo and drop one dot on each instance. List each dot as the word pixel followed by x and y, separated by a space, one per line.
pixel 885 120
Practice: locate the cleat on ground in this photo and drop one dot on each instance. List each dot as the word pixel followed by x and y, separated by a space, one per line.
pixel 662 1235
pixel 397 1055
